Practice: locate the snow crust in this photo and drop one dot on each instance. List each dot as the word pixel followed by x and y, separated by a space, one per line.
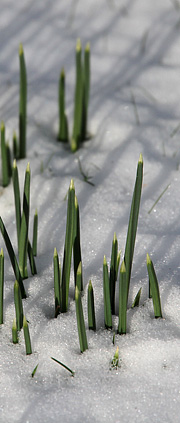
pixel 134 108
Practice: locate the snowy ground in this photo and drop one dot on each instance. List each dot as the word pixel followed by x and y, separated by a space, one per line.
pixel 134 108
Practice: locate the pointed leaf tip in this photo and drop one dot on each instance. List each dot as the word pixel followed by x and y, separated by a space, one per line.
pixel 28 167
pixel 140 158
pixel 2 126
pixel 148 260
pixel 20 49
pixel 78 45
pixel 72 184
pixel 14 164
pixel 79 269
pixel 1 253
pixel 55 252
pixel 87 47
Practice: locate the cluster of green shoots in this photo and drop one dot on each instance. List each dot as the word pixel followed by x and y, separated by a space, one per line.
pixel 81 101
pixel 72 247
pixel 25 250
pixel 19 147
pixel 72 244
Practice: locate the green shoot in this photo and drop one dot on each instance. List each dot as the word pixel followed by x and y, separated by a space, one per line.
pixel 12 258
pixel 77 129
pixel 107 301
pixel 8 152
pixel 31 259
pixel 18 306
pixel 63 123
pixel 122 299
pixel 115 361
pixel 1 285
pixel 35 232
pixel 64 365
pixel 15 146
pixel 4 156
pixel 86 89
pixel 14 332
pixel 34 371
pixel 22 104
pixel 154 288
pixel 23 238
pixel 133 221
pixel 91 308
pixel 80 321
pixel 113 272
pixel 57 279
pixel 77 244
pixel 137 299
pixel 17 200
pixel 27 337
pixel 68 247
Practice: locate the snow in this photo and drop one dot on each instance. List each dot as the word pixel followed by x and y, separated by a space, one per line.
pixel 134 108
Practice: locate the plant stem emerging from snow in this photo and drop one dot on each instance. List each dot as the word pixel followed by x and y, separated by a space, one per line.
pixel 23 238
pixel 12 257
pixel 91 308
pixel 154 288
pixel 122 300
pixel 68 247
pixel 18 306
pixel 35 232
pixel 63 123
pixel 107 300
pixel 27 337
pixel 57 277
pixel 22 104
pixel 80 321
pixel 4 158
pixel 77 244
pixel 133 221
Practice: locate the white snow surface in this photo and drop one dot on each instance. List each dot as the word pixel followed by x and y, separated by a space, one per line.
pixel 134 108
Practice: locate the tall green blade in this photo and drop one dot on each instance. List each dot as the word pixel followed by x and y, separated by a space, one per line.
pixel 17 200
pixel 154 288
pixel 4 158
pixel 86 90
pixel 76 243
pixel 68 247
pixel 122 300
pixel 23 238
pixel 8 153
pixel 12 257
pixel 56 282
pixel 91 308
pixel 31 259
pixel 80 321
pixel 133 221
pixel 63 123
pixel 27 337
pixel 77 128
pixel 22 104
pixel 15 146
pixel 1 285
pixel 107 300
pixel 35 233
pixel 18 306
pixel 113 272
